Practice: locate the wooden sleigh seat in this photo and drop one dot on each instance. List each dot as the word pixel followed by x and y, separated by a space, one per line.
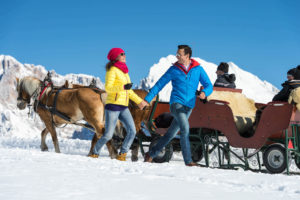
pixel 217 115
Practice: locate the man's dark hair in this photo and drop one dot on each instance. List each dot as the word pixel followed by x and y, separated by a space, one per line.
pixel 187 49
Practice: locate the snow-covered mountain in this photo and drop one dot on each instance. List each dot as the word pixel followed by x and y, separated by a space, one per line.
pixel 17 122
pixel 252 86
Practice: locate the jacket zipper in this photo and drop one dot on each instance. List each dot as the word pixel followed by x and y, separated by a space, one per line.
pixel 126 90
pixel 186 88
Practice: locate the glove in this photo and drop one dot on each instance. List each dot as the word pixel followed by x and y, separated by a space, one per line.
pixel 127 86
pixel 204 100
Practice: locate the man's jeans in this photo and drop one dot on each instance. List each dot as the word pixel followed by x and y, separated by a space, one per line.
pixel 181 115
pixel 111 118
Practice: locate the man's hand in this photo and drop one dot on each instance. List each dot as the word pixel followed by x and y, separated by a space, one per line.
pixel 202 95
pixel 143 104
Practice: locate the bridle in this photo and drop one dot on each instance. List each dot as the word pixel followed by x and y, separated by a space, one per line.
pixel 20 96
pixel 36 95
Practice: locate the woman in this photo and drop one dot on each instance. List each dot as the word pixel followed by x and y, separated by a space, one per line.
pixel 118 88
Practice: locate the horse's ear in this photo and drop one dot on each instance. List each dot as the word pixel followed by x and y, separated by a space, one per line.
pixel 18 83
pixel 66 85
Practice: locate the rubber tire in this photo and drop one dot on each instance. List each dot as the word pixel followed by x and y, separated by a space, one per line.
pixel 166 153
pixel 270 153
pixel 297 164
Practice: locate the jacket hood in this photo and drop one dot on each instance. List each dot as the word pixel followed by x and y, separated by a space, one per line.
pixel 193 64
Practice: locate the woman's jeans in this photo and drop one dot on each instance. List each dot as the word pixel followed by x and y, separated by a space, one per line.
pixel 180 122
pixel 111 118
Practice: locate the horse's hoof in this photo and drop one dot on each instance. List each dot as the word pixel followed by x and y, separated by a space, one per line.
pixel 44 149
pixel 134 158
pixel 114 156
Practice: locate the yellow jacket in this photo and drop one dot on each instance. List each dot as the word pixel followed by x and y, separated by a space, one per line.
pixel 115 80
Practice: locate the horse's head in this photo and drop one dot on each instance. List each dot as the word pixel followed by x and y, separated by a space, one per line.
pixel 26 88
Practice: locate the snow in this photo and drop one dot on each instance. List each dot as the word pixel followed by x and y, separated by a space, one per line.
pixel 28 173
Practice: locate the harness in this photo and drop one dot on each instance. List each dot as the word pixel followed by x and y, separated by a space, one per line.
pixel 52 109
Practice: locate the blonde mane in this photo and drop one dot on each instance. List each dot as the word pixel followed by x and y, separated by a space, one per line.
pixel 29 85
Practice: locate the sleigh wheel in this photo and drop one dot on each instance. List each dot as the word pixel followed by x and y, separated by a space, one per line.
pixel 197 153
pixel 297 161
pixel 274 158
pixel 165 154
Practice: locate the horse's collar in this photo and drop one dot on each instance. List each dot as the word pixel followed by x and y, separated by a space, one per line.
pixel 44 89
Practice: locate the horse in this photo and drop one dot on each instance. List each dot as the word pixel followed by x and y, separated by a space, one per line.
pixel 138 116
pixel 77 104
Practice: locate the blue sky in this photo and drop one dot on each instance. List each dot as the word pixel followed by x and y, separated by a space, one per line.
pixel 261 37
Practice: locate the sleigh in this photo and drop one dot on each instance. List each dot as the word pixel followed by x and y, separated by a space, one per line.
pixel 213 128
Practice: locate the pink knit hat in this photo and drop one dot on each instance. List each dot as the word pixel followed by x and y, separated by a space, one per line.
pixel 113 53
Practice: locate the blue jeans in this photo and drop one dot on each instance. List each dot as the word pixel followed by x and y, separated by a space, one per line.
pixel 180 122
pixel 111 118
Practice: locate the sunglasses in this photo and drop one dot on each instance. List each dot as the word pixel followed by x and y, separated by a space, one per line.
pixel 178 55
pixel 122 54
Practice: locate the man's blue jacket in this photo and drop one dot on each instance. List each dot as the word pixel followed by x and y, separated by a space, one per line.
pixel 184 83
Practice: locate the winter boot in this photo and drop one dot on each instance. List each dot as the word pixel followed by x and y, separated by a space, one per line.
pixel 192 164
pixel 93 155
pixel 147 158
pixel 122 156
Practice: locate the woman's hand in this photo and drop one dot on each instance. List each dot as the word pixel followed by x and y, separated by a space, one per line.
pixel 143 104
pixel 127 86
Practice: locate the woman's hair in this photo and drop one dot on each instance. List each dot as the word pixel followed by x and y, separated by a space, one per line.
pixel 110 64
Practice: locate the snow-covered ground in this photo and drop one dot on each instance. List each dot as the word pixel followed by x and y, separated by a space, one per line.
pixel 28 173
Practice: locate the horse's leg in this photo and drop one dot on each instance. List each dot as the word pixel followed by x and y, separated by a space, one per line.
pixel 93 143
pixel 135 151
pixel 52 131
pixel 113 152
pixel 43 138
pixel 99 127
pixel 46 118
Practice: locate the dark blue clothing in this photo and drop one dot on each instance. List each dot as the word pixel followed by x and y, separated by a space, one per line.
pixel 115 107
pixel 285 92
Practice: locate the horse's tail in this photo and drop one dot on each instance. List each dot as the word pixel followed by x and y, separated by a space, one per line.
pixel 102 93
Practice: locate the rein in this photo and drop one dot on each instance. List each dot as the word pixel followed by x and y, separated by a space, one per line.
pixel 42 92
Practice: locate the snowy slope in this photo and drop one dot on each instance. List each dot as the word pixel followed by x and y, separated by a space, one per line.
pixel 28 174
pixel 17 122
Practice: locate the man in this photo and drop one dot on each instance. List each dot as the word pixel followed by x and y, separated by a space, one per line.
pixel 185 76
pixel 223 78
pixel 293 76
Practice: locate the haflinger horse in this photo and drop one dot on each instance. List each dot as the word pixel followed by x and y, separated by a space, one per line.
pixel 77 103
pixel 138 116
